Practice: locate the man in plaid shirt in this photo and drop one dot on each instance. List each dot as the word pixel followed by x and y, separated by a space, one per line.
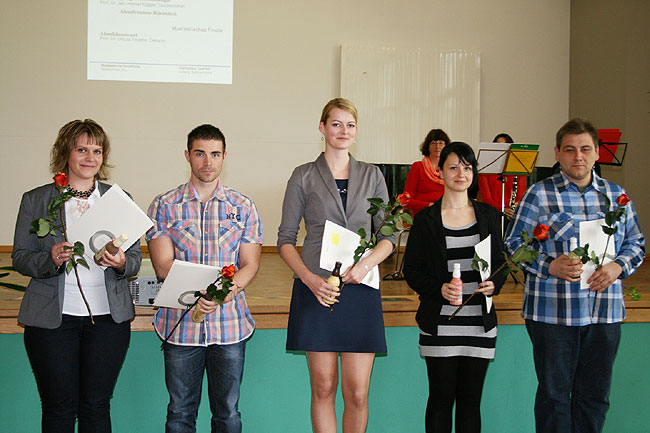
pixel 205 222
pixel 574 351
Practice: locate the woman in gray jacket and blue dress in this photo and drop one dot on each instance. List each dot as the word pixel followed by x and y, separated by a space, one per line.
pixel 334 187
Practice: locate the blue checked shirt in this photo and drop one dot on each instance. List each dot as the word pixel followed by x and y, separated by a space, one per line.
pixel 559 204
pixel 207 233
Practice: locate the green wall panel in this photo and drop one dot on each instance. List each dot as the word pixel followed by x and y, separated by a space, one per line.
pixel 275 391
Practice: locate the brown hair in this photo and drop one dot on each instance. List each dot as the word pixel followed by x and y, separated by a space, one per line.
pixel 67 139
pixel 433 135
pixel 577 126
pixel 341 103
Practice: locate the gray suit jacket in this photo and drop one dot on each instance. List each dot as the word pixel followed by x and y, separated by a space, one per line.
pixel 42 304
pixel 311 193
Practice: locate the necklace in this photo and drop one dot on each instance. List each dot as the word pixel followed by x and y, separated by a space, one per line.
pixel 82 194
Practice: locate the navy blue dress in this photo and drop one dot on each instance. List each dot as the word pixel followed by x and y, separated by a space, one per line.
pixel 356 323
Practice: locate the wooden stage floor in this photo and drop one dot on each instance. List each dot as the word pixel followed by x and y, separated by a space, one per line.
pixel 269 295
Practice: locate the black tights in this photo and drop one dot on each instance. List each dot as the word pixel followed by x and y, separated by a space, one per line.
pixel 457 379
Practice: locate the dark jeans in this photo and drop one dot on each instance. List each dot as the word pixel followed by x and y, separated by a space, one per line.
pixel 456 379
pixel 184 367
pixel 574 373
pixel 76 367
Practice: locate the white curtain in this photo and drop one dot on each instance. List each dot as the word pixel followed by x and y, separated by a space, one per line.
pixel 403 93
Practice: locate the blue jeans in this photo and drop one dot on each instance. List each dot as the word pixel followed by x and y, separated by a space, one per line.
pixel 184 366
pixel 574 373
pixel 76 367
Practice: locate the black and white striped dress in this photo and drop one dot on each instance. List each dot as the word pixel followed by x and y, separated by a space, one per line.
pixel 464 335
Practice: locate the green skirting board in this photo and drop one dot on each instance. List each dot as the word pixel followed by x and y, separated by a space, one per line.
pixel 275 389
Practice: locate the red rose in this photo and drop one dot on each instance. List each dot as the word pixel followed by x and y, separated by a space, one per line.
pixel 404 198
pixel 541 232
pixel 61 180
pixel 623 199
pixel 228 271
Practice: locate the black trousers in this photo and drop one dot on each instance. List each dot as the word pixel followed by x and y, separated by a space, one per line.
pixel 456 379
pixel 76 367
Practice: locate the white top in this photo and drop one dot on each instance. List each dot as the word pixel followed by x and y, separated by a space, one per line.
pixel 92 280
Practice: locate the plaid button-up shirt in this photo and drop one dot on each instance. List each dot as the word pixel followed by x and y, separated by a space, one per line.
pixel 207 233
pixel 561 205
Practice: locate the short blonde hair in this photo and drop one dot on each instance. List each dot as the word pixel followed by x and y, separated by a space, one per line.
pixel 341 103
pixel 67 139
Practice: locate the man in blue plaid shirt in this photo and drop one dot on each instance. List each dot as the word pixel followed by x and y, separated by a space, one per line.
pixel 574 351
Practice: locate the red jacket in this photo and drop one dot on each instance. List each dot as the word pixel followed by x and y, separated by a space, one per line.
pixel 423 191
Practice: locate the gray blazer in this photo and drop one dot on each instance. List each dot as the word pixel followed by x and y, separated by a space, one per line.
pixel 311 193
pixel 42 304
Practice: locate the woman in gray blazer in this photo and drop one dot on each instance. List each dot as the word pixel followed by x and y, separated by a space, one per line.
pixel 335 187
pixel 75 362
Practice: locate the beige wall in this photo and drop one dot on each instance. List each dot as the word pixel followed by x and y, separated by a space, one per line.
pixel 610 84
pixel 286 66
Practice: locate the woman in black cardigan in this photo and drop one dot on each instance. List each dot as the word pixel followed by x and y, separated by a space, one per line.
pixel 457 351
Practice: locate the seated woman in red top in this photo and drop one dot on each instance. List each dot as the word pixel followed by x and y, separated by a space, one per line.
pixel 490 186
pixel 423 182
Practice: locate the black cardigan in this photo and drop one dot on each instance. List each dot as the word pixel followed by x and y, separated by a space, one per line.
pixel 425 261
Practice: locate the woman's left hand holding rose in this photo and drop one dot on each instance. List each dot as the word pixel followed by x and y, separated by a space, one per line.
pixel 486 287
pixel 355 274
pixel 60 254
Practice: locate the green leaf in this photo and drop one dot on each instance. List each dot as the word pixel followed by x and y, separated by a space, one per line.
pixel 81 261
pixel 362 233
pixel 34 226
pixel 78 249
pixel 69 267
pixel 373 210
pixel 579 251
pixel 608 203
pixel 376 201
pixel 595 260
pixel 406 218
pixel 524 236
pixel 43 228
pixel 478 264
pixel 391 218
pixel 609 230
pixel 387 230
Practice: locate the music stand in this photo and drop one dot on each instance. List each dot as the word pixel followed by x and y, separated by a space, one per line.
pixel 611 153
pixel 507 159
